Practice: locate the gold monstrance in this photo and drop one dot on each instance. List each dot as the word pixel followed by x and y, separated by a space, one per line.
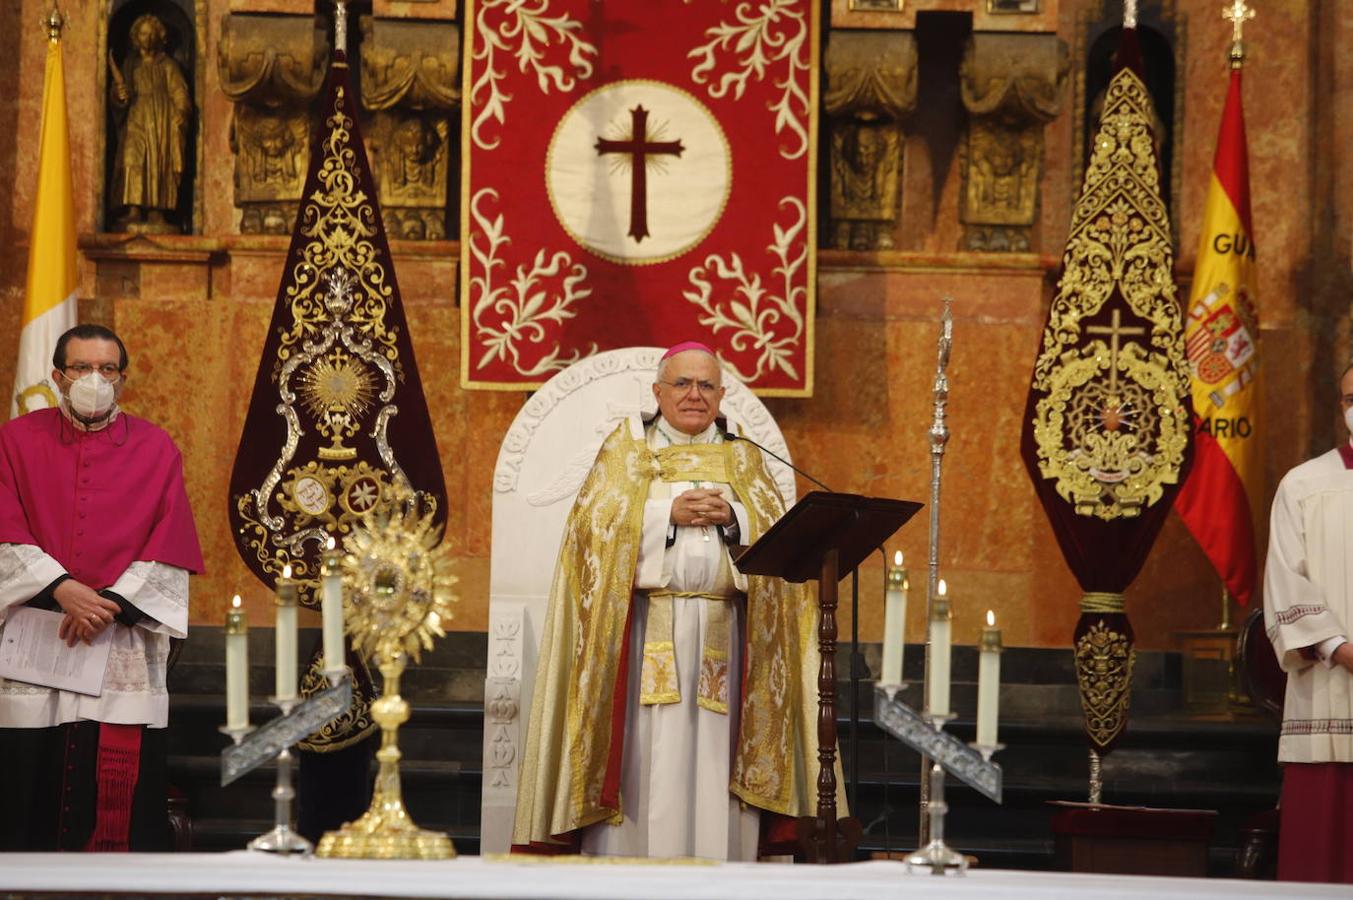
pixel 397 593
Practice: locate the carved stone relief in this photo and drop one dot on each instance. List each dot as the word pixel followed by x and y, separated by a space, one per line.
pixel 870 90
pixel 272 68
pixel 1011 85
pixel 410 82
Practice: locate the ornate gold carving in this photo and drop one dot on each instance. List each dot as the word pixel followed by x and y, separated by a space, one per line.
pixel 272 68
pixel 1011 85
pixel 1104 658
pixel 410 80
pixel 397 580
pixel 871 79
pixel 1111 427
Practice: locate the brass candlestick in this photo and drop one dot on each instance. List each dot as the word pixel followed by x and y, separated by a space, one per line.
pixel 397 595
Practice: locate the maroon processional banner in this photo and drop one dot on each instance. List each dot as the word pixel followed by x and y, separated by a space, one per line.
pixel 639 173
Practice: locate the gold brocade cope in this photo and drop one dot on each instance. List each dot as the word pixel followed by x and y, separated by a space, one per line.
pixel 564 783
pixel 693 462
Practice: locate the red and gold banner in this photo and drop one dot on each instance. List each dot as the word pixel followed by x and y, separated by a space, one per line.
pixel 1222 333
pixel 637 174
pixel 1107 430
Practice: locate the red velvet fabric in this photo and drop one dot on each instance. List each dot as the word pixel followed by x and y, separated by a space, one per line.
pixel 1315 831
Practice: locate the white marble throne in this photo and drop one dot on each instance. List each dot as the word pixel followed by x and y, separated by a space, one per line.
pixel 542 462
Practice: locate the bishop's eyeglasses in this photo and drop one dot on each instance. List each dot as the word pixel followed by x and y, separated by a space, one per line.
pixel 684 385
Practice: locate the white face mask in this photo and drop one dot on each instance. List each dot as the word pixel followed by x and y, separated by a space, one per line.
pixel 1348 419
pixel 92 396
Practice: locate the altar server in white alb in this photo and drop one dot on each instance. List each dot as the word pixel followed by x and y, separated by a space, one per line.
pixel 1308 608
pixel 670 716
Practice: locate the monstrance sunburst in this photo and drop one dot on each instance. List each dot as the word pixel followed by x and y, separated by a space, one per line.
pixel 397 595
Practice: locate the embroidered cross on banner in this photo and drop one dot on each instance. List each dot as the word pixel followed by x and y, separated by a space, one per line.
pixel 639 148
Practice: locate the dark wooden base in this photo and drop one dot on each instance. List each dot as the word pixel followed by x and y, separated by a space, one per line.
pixel 821 843
pixel 1131 840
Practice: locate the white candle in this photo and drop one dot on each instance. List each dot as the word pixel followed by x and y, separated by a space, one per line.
pixel 937 679
pixel 894 622
pixel 237 667
pixel 331 607
pixel 988 683
pixel 286 637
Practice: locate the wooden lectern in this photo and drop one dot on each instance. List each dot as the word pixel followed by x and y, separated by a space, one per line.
pixel 823 536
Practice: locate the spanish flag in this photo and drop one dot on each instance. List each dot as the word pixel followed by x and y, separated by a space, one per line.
pixel 1222 335
pixel 49 303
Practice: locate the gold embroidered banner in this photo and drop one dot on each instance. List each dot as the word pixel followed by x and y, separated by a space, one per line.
pixel 337 418
pixel 1107 427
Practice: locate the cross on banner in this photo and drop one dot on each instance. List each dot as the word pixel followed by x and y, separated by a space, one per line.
pixel 1115 331
pixel 639 148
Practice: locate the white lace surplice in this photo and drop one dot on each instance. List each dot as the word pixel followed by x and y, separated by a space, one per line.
pixel 134 691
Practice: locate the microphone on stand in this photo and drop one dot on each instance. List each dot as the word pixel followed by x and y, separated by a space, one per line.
pixel 730 436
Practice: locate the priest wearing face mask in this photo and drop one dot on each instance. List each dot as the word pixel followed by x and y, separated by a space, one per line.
pixel 94 526
pixel 671 715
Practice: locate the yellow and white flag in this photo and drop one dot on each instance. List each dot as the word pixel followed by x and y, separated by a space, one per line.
pixel 49 303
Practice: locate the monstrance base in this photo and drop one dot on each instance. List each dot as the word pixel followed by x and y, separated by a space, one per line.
pixel 371 838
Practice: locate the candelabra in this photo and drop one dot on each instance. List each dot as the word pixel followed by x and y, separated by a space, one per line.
pixel 252 747
pixel 924 732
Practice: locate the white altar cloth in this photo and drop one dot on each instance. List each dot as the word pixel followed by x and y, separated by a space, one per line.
pixel 243 872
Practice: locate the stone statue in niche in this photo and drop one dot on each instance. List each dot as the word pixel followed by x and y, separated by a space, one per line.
pixel 153 108
pixel 416 150
pixel 410 157
pixel 271 68
pixel 1002 184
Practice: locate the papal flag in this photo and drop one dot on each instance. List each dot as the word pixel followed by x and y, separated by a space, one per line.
pixel 49 301
pixel 1222 334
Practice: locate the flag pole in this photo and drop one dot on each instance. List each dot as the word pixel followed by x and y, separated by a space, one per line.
pixel 54 23
pixel 1238 13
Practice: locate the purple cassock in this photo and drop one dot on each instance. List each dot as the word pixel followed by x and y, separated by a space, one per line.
pixel 95 501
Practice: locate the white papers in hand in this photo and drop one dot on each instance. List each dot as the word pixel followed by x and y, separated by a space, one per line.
pixel 31 652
